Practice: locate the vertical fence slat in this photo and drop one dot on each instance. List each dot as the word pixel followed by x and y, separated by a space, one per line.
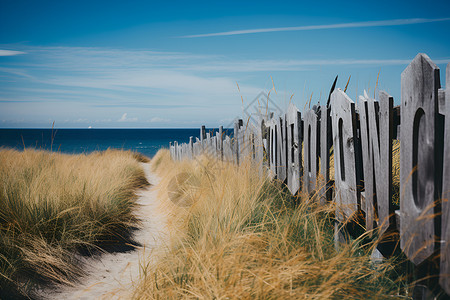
pixel 384 171
pixel 228 149
pixel 220 137
pixel 294 145
pixel 445 247
pixel 345 157
pixel 273 147
pixel 281 151
pixel 235 142
pixel 376 143
pixel 325 146
pixel 191 147
pixel 259 145
pixel 419 88
pixel 245 142
pixel 311 150
pixel 367 156
pixel 175 144
pixel 241 141
pixel 202 133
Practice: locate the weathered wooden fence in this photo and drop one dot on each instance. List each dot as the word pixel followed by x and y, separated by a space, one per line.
pixel 290 147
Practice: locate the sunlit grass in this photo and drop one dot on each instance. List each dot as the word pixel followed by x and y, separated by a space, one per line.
pixel 238 235
pixel 55 205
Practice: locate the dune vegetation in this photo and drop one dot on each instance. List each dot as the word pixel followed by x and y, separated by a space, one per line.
pixel 56 207
pixel 235 234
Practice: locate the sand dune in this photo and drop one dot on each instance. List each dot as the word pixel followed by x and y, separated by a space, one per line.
pixel 111 275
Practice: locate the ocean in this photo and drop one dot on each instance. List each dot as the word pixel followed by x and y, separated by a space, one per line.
pixel 145 141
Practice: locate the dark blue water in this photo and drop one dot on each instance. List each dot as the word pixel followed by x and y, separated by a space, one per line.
pixel 145 141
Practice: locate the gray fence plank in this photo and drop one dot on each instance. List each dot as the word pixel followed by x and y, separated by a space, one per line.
pixel 175 145
pixel 281 151
pixel 383 169
pixel 191 147
pixel 376 143
pixel 344 138
pixel 236 142
pixel 444 279
pixel 441 101
pixel 265 132
pixel 202 133
pixel 419 88
pixel 220 137
pixel 241 141
pixel 294 147
pixel 245 142
pixel 367 156
pixel 273 159
pixel 229 149
pixel 325 146
pixel 310 150
pixel 259 145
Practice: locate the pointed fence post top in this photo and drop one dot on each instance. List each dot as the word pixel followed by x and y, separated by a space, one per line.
pixel 340 102
pixel 202 133
pixel 420 60
pixel 291 108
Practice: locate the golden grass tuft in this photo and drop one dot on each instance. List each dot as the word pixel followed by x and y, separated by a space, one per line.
pixel 55 205
pixel 246 237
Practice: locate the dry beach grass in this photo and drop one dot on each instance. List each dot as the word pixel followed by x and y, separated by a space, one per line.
pixel 55 205
pixel 237 235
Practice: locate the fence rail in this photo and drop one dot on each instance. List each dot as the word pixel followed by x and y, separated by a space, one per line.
pixel 290 147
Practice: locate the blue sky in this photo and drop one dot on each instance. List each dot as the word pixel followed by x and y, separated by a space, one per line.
pixel 117 64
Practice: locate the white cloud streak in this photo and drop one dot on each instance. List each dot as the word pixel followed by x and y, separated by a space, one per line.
pixel 383 23
pixel 158 120
pixel 125 118
pixel 10 52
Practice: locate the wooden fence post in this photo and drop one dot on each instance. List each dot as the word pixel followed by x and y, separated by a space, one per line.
pixel 236 141
pixel 311 150
pixel 202 133
pixel 343 118
pixel 259 145
pixel 191 147
pixel 325 146
pixel 216 146
pixel 294 146
pixel 419 158
pixel 273 142
pixel 175 145
pixel 377 123
pixel 228 151
pixel 281 151
pixel 220 143
pixel 206 148
pixel 444 279
pixel 241 141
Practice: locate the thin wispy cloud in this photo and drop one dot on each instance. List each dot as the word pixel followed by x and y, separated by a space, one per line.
pixel 10 52
pixel 158 120
pixel 383 23
pixel 125 118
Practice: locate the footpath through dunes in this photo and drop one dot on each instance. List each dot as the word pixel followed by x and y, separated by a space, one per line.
pixel 111 275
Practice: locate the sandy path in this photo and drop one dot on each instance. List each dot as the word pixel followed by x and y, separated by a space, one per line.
pixel 111 276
